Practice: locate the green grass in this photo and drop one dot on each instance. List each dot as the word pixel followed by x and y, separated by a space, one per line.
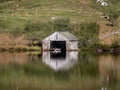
pixel 17 13
pixel 12 17
pixel 43 10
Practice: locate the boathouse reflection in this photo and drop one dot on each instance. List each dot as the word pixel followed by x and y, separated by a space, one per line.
pixel 60 61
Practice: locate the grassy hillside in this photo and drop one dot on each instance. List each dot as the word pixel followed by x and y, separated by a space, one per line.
pixel 14 12
pixel 17 13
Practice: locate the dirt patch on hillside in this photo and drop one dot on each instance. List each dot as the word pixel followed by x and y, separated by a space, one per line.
pixel 6 41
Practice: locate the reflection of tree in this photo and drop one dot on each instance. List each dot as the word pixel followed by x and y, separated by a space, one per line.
pixel 88 65
pixel 34 56
pixel 108 71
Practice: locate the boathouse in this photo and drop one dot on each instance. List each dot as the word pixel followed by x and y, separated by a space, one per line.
pixel 61 40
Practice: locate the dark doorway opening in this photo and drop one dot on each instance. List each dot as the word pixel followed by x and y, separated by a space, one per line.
pixel 58 44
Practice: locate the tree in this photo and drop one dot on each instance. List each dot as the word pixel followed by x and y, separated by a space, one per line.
pixel 62 24
pixel 36 31
pixel 114 1
pixel 113 14
pixel 88 33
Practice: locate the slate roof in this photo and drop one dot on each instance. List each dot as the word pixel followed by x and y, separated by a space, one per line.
pixel 67 35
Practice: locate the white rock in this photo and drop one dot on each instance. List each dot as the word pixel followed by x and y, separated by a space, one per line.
pixel 104 3
pixel 52 18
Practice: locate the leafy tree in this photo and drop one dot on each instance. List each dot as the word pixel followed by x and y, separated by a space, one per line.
pixel 1 1
pixel 88 33
pixel 36 31
pixel 113 13
pixel 62 24
pixel 113 1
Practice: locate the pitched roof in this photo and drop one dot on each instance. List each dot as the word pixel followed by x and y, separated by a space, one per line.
pixel 67 35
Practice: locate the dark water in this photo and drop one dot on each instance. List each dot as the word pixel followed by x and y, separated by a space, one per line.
pixel 59 71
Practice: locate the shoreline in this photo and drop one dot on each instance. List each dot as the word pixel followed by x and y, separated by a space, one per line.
pixel 25 48
pixel 14 48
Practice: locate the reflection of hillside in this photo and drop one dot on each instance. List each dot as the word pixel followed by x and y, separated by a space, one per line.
pixel 20 58
pixel 60 63
pixel 109 68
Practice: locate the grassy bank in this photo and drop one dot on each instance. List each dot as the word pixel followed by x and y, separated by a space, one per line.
pixel 20 48
pixel 36 19
pixel 19 17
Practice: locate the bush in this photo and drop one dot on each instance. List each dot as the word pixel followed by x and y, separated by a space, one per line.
pixel 62 24
pixel 1 1
pixel 88 33
pixel 36 31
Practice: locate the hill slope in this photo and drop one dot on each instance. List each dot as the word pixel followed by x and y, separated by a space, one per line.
pixel 18 12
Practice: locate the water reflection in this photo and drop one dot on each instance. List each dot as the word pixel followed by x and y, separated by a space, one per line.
pixel 28 70
pixel 19 58
pixel 60 61
pixel 109 68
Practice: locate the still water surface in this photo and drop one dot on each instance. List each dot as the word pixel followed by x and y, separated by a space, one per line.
pixel 59 71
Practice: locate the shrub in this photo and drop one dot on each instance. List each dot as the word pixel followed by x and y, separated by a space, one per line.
pixel 88 33
pixel 62 24
pixel 36 31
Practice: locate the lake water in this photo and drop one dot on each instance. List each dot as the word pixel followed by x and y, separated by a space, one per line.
pixel 59 71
